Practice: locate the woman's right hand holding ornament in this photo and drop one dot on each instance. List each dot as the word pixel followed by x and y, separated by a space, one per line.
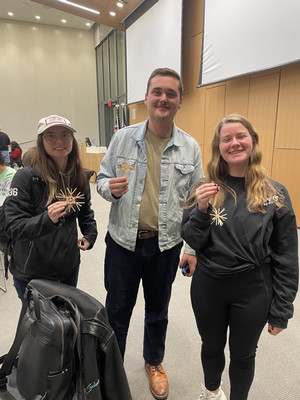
pixel 204 193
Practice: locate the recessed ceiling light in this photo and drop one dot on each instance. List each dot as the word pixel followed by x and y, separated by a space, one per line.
pixel 112 13
pixel 64 21
pixel 88 24
pixel 11 14
pixel 119 4
pixel 70 3
pixel 37 17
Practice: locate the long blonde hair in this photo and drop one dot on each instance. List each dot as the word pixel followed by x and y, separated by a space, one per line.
pixel 46 167
pixel 258 185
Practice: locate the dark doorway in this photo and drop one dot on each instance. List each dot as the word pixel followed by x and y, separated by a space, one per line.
pixel 109 122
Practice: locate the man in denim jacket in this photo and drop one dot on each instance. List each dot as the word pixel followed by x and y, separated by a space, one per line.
pixel 146 174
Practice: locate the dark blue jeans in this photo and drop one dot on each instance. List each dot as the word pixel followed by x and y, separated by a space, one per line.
pixel 124 270
pixel 241 303
pixel 20 286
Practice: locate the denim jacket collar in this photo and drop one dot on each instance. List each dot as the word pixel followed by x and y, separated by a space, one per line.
pixel 139 136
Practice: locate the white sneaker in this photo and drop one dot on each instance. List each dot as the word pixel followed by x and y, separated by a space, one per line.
pixel 207 395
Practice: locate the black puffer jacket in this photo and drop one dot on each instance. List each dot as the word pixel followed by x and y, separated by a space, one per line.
pixel 41 248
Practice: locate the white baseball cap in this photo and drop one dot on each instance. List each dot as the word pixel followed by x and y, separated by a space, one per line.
pixel 53 120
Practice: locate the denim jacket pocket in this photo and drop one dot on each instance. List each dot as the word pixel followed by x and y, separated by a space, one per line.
pixel 184 168
pixel 183 174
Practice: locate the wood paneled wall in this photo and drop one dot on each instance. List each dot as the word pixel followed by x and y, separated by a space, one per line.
pixel 269 99
pixel 90 160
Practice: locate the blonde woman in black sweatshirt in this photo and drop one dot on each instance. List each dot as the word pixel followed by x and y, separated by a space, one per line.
pixel 243 228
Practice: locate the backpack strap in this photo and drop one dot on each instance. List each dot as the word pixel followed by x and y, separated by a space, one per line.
pixel 8 359
pixel 36 192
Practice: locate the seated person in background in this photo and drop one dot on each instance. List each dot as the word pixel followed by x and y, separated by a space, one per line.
pixel 6 175
pixel 27 157
pixel 15 154
pixel 4 143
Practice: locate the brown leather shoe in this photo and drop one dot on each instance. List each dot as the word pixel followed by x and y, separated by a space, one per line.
pixel 158 381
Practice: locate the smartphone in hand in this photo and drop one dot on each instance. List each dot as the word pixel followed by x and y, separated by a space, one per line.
pixel 185 270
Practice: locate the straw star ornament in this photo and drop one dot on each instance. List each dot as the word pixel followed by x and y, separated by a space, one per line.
pixel 125 167
pixel 74 201
pixel 218 216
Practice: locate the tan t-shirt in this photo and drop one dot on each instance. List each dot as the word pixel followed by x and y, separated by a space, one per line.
pixel 148 216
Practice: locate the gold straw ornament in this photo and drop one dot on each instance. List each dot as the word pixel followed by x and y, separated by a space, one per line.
pixel 73 201
pixel 125 167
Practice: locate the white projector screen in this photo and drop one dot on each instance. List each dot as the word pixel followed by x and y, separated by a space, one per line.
pixel 247 36
pixel 153 41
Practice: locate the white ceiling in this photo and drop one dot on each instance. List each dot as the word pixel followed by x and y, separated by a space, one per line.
pixel 51 12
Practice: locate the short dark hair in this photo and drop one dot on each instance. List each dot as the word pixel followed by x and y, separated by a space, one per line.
pixel 2 159
pixel 166 72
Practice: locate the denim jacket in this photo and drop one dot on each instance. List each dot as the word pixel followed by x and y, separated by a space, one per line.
pixel 181 166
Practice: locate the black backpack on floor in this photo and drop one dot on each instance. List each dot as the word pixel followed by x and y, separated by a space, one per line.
pixel 44 348
pixel 65 347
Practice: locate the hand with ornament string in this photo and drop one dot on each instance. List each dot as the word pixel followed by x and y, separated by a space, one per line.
pixel 57 210
pixel 204 193
pixel 83 244
pixel 118 186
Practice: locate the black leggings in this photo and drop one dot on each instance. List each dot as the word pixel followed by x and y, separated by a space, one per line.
pixel 240 302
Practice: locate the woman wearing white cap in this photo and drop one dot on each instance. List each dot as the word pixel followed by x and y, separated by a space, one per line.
pixel 44 203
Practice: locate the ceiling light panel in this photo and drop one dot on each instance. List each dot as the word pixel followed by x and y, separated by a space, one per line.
pixel 70 3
